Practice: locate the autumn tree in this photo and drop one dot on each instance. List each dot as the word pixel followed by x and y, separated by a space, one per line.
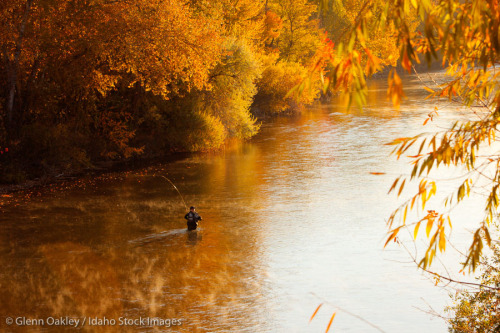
pixel 289 40
pixel 243 19
pixel 272 30
pixel 224 109
pixel 60 60
pixel 110 38
pixel 340 17
pixel 300 35
pixel 108 80
pixel 278 78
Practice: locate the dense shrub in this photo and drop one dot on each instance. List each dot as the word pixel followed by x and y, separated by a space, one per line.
pixel 278 79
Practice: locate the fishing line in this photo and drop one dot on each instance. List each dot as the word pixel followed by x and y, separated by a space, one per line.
pixel 171 184
pixel 176 190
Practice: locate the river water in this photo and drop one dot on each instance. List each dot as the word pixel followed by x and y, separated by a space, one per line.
pixel 291 220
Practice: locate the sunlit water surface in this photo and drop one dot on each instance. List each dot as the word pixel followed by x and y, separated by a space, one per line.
pixel 292 219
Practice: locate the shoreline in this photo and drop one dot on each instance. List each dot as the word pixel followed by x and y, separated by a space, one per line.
pixel 100 170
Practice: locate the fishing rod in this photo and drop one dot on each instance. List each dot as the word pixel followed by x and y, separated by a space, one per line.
pixel 185 205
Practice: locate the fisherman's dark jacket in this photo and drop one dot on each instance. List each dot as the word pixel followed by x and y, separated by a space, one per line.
pixel 192 216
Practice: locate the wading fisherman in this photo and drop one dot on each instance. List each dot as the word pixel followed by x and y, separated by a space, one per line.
pixel 192 218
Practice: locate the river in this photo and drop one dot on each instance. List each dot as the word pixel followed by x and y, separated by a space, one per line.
pixel 291 219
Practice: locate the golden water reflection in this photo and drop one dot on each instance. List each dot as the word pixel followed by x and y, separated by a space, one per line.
pixel 290 215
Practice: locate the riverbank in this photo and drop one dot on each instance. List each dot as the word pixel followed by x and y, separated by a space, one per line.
pixel 23 181
pixel 100 171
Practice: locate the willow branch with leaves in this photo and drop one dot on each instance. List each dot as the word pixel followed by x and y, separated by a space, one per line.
pixel 464 37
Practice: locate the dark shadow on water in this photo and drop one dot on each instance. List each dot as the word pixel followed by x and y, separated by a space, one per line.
pixel 193 237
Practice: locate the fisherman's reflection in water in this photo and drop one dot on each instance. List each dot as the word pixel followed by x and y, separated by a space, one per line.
pixel 193 237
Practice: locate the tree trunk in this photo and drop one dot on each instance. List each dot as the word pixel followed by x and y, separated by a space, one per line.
pixel 12 81
pixel 13 67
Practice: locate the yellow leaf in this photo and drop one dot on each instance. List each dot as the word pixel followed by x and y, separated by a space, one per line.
pixel 416 230
pixel 442 241
pixel 393 185
pixel 401 187
pixel 392 236
pixel 316 311
pixel 430 221
pixel 487 235
pixel 330 323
